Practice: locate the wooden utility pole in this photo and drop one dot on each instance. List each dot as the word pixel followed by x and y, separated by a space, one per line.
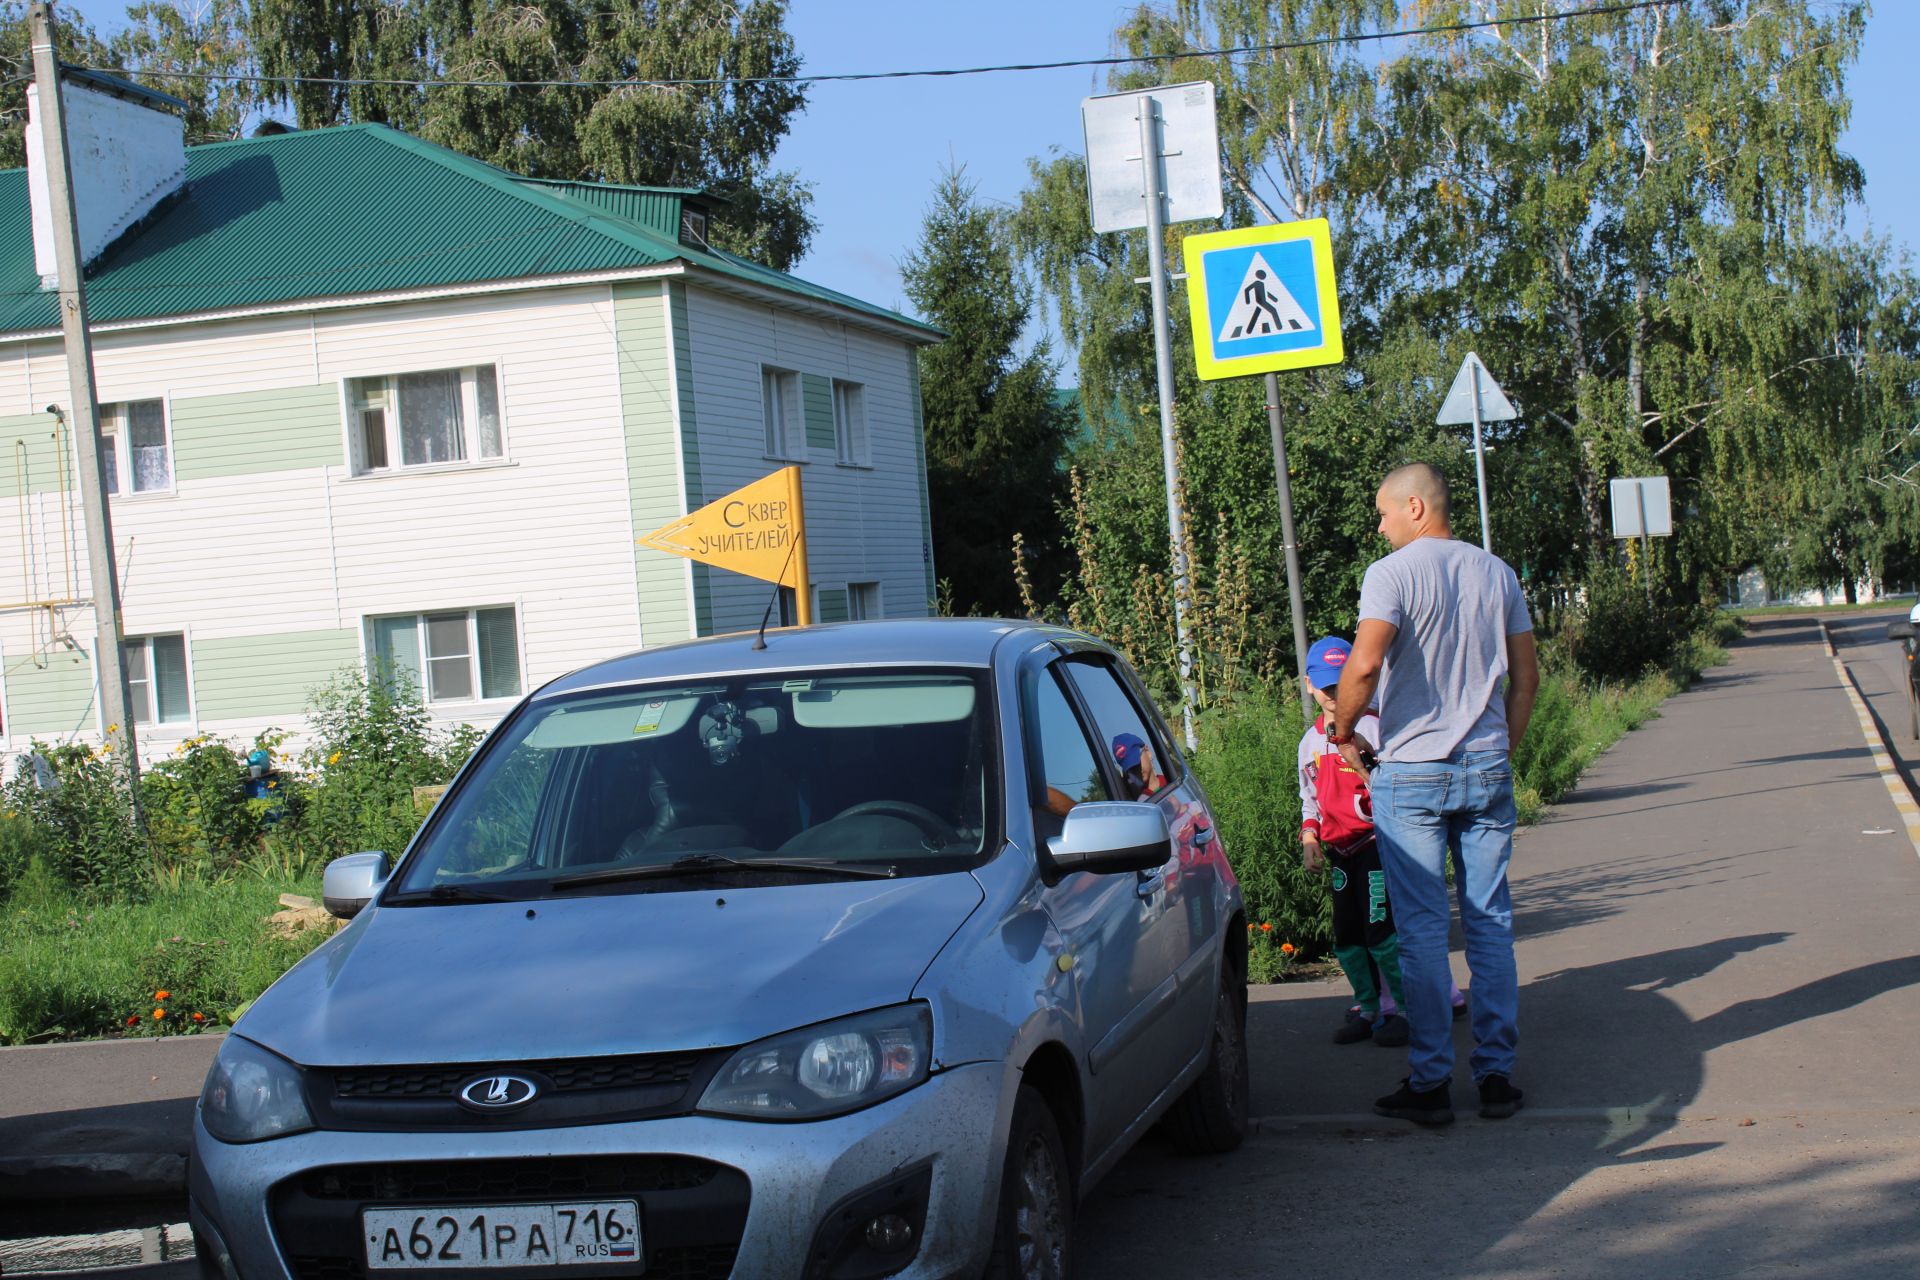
pixel 82 410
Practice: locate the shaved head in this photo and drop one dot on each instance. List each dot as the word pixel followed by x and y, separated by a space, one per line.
pixel 1413 503
pixel 1418 480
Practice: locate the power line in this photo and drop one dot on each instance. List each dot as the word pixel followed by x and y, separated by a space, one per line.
pixel 1449 28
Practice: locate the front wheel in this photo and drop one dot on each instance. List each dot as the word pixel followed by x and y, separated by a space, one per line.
pixel 1211 1116
pixel 1033 1232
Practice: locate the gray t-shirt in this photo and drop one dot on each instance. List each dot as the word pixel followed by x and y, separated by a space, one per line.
pixel 1443 685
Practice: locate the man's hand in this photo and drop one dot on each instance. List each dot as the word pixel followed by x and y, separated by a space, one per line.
pixel 1350 752
pixel 1310 851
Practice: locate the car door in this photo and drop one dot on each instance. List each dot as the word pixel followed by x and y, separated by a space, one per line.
pixel 1118 996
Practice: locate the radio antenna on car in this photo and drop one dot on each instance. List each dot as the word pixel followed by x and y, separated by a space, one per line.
pixel 760 641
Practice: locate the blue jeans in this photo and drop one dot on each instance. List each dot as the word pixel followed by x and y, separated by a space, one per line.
pixel 1423 811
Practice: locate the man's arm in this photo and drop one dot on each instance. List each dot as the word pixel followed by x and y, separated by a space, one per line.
pixel 1523 682
pixel 1360 677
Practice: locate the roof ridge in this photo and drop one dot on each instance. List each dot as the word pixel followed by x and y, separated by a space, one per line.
pixel 634 237
pixel 616 186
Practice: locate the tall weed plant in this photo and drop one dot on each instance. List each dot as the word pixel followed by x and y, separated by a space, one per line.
pixel 79 804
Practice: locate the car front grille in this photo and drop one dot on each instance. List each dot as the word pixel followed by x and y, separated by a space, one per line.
pixel 692 1211
pixel 566 1075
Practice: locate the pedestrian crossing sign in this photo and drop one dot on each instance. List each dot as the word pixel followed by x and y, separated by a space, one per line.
pixel 1263 299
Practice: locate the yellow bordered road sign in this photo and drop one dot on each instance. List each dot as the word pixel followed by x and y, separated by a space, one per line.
pixel 1263 299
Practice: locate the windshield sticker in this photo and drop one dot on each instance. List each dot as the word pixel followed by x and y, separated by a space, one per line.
pixel 796 686
pixel 650 716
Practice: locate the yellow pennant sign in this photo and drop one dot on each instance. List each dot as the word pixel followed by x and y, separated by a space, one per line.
pixel 759 530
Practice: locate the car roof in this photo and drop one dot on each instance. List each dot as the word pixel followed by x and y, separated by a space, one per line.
pixel 947 642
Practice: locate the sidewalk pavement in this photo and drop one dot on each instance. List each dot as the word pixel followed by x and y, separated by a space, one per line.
pixel 1720 1020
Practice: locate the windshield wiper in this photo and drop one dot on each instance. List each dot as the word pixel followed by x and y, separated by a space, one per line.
pixel 447 893
pixel 694 864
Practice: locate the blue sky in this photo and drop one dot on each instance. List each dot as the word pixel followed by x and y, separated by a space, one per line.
pixel 873 149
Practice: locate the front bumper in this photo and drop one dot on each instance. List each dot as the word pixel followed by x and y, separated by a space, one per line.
pixel 795 1173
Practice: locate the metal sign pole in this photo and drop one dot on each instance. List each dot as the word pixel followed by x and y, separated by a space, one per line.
pixel 1150 189
pixel 1480 462
pixel 1646 545
pixel 1289 541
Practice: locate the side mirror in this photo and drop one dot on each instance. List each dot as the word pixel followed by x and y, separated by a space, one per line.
pixel 1106 836
pixel 1902 630
pixel 349 883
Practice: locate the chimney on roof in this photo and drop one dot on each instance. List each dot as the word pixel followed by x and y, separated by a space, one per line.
pixel 127 152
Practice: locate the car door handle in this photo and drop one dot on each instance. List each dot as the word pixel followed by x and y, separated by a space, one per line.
pixel 1151 882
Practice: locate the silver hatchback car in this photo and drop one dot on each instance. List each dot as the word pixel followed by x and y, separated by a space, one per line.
pixel 863 953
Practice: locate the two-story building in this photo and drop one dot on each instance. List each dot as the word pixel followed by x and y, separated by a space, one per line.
pixel 363 397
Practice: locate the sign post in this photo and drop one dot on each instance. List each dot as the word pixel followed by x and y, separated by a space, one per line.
pixel 1475 397
pixel 1643 509
pixel 1153 157
pixel 1263 299
pixel 759 530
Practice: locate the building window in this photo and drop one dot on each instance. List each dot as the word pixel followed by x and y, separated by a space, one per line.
pixel 462 655
pixel 138 457
pixel 863 600
pixel 785 418
pixel 157 679
pixel 428 419
pixel 850 422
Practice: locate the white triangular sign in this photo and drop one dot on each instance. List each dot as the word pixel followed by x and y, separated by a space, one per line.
pixel 1494 405
pixel 1263 307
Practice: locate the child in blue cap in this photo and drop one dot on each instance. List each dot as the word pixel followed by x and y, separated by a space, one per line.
pixel 1336 827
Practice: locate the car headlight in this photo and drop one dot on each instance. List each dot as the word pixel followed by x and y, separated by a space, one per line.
pixel 827 1069
pixel 251 1094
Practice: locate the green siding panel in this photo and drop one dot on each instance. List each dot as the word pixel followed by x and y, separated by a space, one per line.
pixel 31 449
pixel 920 464
pixel 690 448
pixel 237 677
pixel 50 702
pixel 833 605
pixel 647 398
pixel 817 394
pixel 258 431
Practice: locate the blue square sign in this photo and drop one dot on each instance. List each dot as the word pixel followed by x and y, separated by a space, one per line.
pixel 1262 299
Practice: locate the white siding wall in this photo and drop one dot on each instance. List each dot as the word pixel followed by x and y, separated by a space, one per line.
pixel 306 550
pixel 863 525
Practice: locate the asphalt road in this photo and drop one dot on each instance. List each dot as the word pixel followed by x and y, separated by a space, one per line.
pixel 1879 668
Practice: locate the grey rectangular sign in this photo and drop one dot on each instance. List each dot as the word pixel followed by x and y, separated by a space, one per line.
pixel 1630 496
pixel 1189 143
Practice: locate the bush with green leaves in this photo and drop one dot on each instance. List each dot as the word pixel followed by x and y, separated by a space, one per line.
pixel 200 819
pixel 82 819
pixel 1620 630
pixel 373 742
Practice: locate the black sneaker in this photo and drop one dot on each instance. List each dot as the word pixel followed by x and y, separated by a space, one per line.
pixel 1392 1032
pixel 1460 1010
pixel 1498 1098
pixel 1356 1028
pixel 1428 1106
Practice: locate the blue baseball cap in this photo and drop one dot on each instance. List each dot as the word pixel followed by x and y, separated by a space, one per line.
pixel 1325 660
pixel 1127 748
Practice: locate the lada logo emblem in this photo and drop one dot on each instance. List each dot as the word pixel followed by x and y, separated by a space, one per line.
pixel 498 1093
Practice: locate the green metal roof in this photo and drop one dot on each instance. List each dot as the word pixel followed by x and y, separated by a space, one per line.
pixel 360 209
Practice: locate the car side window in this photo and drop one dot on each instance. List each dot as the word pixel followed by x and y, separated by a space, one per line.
pixel 1122 730
pixel 1062 769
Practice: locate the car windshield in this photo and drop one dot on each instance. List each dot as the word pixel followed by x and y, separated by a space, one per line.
pixel 791 777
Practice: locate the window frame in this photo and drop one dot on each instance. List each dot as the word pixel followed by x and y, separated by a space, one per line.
pixel 353 404
pixel 157 727
pixel 1173 768
pixel 792 431
pixel 879 601
pixel 852 441
pixel 116 425
pixel 419 617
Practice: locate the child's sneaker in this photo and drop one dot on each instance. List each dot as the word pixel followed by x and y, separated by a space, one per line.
pixel 1460 1005
pixel 1391 1032
pixel 1357 1027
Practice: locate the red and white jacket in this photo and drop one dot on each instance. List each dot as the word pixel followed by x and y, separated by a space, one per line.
pixel 1334 802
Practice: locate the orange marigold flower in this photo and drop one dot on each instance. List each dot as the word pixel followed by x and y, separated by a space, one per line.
pixel 161 995
pixel 159 1013
pixel 1286 948
pixel 1267 928
pixel 199 1017
pixel 132 1019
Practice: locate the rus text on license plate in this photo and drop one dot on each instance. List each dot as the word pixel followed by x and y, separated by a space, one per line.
pixel 504 1235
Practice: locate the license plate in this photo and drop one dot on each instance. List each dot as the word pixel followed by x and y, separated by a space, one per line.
pixel 505 1235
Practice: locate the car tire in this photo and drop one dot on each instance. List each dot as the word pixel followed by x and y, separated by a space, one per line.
pixel 1211 1116
pixel 1033 1229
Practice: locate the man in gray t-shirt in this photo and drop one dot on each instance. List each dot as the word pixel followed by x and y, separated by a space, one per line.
pixel 1445 639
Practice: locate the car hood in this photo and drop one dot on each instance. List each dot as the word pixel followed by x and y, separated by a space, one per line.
pixel 612 974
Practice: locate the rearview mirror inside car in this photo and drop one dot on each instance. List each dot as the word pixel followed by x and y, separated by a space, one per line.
pixel 1111 835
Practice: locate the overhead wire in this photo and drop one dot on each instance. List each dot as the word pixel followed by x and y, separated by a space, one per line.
pixel 1232 51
